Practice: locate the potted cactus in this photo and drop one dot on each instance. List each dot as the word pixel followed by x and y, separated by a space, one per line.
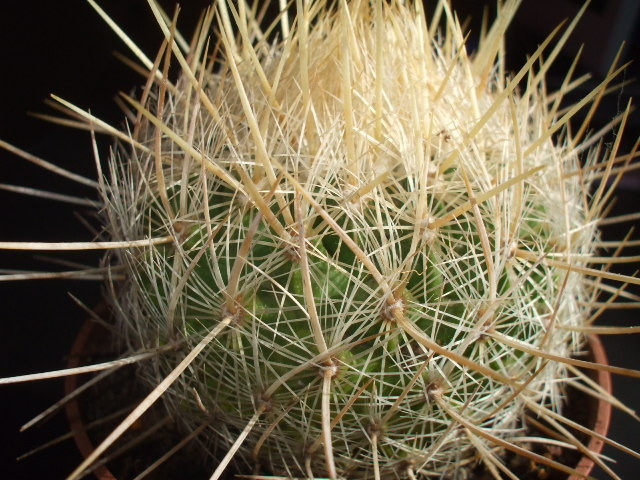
pixel 352 249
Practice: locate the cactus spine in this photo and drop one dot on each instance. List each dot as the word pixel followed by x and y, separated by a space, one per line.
pixel 376 246
pixel 387 226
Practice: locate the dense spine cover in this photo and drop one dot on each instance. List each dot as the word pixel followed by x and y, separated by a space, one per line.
pixel 381 218
pixel 361 250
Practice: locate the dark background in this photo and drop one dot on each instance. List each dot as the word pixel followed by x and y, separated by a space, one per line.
pixel 65 48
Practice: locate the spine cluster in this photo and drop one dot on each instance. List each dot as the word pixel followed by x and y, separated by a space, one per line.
pixel 391 235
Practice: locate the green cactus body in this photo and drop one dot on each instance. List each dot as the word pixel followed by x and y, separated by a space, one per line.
pixel 345 202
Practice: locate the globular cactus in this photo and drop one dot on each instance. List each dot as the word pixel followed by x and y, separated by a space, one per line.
pixel 374 246
pixel 385 232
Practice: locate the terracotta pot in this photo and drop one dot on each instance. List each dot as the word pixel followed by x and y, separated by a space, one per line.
pixel 82 347
pixel 599 411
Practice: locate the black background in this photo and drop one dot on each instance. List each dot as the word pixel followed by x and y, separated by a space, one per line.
pixel 65 48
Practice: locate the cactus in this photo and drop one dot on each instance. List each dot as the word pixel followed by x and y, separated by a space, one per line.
pixel 375 250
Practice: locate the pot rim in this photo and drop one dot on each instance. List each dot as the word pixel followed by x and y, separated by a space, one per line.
pixel 603 411
pixel 80 435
